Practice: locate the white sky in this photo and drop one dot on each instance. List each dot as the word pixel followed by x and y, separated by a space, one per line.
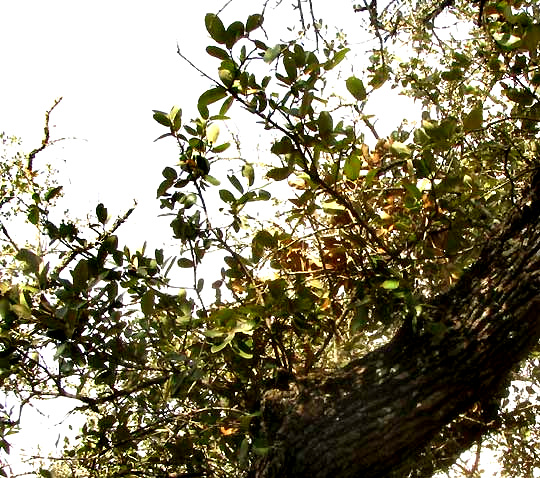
pixel 113 62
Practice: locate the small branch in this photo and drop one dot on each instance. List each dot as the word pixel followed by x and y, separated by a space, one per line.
pixel 79 250
pixel 5 232
pixel 46 140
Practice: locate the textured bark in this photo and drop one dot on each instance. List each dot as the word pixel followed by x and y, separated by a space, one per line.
pixel 372 417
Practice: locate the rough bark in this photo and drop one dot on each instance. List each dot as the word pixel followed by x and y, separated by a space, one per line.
pixel 372 417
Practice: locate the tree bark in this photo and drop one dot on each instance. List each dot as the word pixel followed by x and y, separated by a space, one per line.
pixel 375 415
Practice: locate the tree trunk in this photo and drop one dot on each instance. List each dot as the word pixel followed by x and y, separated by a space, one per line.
pixel 375 415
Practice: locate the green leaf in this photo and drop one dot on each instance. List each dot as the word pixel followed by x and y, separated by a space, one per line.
pixel 215 28
pixel 212 180
pixel 290 67
pixel 253 22
pixel 236 183
pixel 212 133
pixel 31 260
pixel 226 105
pixel 235 31
pixel 279 174
pixel 147 302
pixel 400 150
pixel 337 59
pixel 221 148
pixel 356 87
pixel 352 166
pixel 218 348
pixel 412 189
pixel 227 73
pixel 185 263
pixel 265 239
pixel 200 285
pixel 325 125
pixel 80 275
pixel 162 118
pixel 332 207
pixel 101 213
pixel 249 173
pixel 379 77
pixel 226 196
pixel 507 41
pixel 217 52
pixel 473 120
pixel 208 97
pixel 175 117
pixel 52 193
pixel 169 173
pixel 390 284
pixel 33 214
pixel 272 53
pixel 283 146
pixel 360 319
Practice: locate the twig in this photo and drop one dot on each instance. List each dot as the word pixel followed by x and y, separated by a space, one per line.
pixel 45 141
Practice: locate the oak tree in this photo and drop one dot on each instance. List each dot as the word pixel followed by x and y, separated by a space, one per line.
pixel 354 302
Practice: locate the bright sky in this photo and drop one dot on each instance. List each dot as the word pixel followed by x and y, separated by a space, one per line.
pixel 113 63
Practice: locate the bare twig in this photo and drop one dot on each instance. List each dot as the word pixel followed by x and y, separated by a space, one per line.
pixel 46 139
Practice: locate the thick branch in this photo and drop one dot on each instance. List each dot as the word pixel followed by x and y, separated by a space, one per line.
pixel 382 410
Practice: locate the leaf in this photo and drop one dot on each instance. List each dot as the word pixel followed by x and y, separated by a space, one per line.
pixel 169 173
pixel 101 213
pixel 265 239
pixel 337 59
pixel 332 207
pixel 221 148
pixel 283 146
pixel 80 275
pixel 279 174
pixel 185 263
pixel 212 180
pixel 226 196
pixel 227 73
pixel 272 53
pixel 360 319
pixel 356 87
pixel 208 97
pixel 473 120
pixel 175 117
pixel 290 67
pixel 147 302
pixel 235 31
pixel 33 214
pixel 217 52
pixel 507 41
pixel 218 348
pixel 200 285
pixel 162 118
pixel 212 133
pixel 400 150
pixel 226 105
pixel 215 28
pixel 52 193
pixel 390 284
pixel 379 77
pixel 31 260
pixel 352 166
pixel 253 22
pixel 234 181
pixel 249 173
pixel 325 125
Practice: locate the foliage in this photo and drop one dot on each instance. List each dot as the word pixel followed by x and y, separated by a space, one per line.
pixel 366 228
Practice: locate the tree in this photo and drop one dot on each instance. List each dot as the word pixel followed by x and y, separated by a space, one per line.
pixel 368 328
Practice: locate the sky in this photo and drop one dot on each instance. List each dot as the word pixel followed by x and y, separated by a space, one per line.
pixel 113 62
